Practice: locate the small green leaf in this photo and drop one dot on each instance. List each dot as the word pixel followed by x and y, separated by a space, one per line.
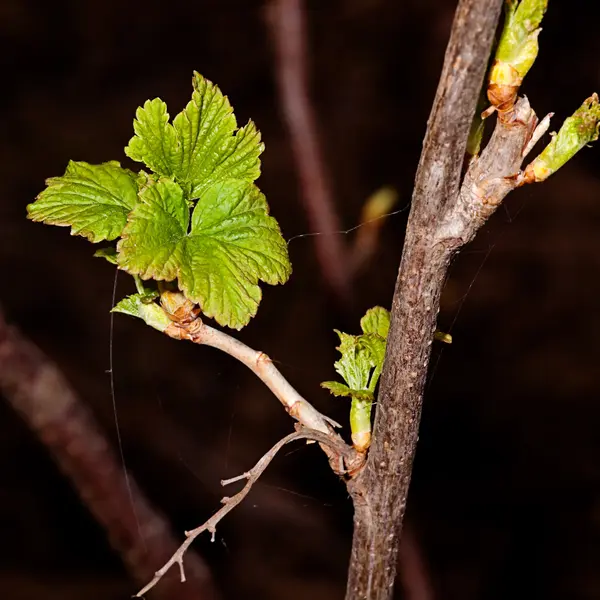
pixel 360 366
pixel 155 229
pixel 442 337
pixel 203 145
pixel 376 320
pixel 375 345
pixel 232 243
pixel 212 150
pixel 93 199
pixel 339 389
pixel 110 254
pixel 143 307
pixel 356 363
pixel 155 140
pixel 577 131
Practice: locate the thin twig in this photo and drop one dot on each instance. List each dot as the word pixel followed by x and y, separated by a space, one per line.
pixel 287 23
pixel 229 503
pixel 38 391
pixel 259 363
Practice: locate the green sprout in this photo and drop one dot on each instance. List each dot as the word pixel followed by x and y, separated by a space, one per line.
pixel 360 367
pixel 577 131
pixel 516 52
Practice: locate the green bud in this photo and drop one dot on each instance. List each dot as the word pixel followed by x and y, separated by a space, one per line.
pixel 576 132
pixel 143 307
pixel 516 51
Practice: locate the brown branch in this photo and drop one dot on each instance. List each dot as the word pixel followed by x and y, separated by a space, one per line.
pixel 229 503
pixel 261 365
pixel 38 391
pixel 288 29
pixel 186 325
pixel 381 489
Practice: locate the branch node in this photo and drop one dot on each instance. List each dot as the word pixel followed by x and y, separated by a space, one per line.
pixel 181 570
pixel 332 441
pixel 245 475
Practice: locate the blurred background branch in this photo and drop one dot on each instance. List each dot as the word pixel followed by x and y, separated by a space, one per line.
pixel 288 28
pixel 40 394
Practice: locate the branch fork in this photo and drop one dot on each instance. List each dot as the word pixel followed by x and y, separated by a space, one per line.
pixel 229 503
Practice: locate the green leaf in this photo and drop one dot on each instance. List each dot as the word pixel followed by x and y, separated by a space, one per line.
pixel 143 307
pixel 360 366
pixel 110 254
pixel 339 389
pixel 375 345
pixel 93 199
pixel 203 145
pixel 356 363
pixel 219 258
pixel 155 140
pixel 362 355
pixel 155 229
pixel 442 337
pixel 376 320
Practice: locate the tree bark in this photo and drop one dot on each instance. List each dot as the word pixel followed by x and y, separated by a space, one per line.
pixel 381 489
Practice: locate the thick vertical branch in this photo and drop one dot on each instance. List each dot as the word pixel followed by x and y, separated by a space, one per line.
pixel 380 491
pixel 40 394
pixel 288 27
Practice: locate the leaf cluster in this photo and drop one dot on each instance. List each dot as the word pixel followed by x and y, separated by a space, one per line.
pixel 195 217
pixel 362 357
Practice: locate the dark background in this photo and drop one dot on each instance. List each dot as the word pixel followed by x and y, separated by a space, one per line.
pixel 505 501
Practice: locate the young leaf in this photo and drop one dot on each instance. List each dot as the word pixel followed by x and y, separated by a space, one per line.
pixel 339 389
pixel 110 254
pixel 155 140
pixel 375 346
pixel 232 243
pixel 356 362
pixel 93 199
pixel 202 146
pixel 211 148
pixel 376 320
pixel 360 366
pixel 143 307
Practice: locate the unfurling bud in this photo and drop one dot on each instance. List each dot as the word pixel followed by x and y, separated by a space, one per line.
pixel 178 307
pixel 576 132
pixel 516 52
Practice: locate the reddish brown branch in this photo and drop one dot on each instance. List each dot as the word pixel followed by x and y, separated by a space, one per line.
pixel 288 29
pixel 38 391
